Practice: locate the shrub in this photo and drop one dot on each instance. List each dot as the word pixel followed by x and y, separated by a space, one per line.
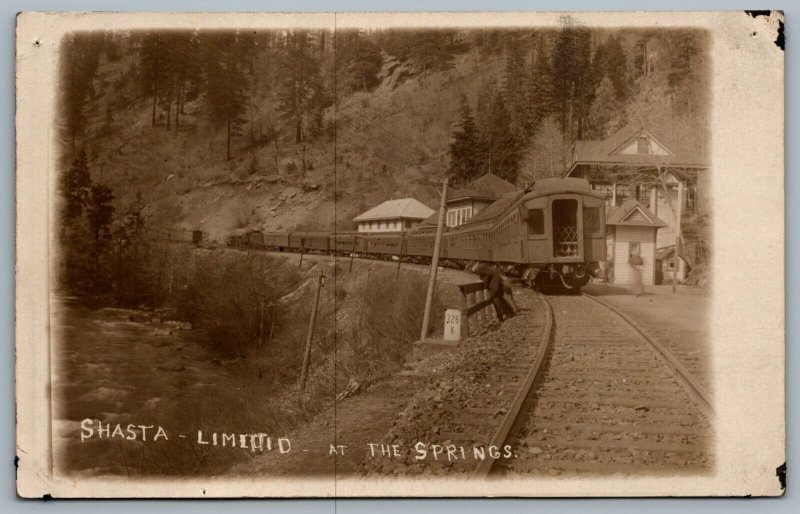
pixel 231 299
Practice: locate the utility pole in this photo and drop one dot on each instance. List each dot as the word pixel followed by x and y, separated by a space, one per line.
pixel 434 261
pixel 678 215
pixel 307 354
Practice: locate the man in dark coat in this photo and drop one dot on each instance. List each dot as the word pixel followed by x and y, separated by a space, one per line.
pixel 494 282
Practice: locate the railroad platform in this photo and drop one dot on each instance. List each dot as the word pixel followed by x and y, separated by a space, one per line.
pixel 680 320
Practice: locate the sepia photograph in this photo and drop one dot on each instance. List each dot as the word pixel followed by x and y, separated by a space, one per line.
pixel 377 256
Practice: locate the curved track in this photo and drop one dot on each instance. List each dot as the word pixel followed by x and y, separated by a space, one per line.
pixel 609 399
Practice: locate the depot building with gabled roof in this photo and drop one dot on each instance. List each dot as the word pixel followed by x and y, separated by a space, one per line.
pixel 393 216
pixel 630 164
pixel 466 202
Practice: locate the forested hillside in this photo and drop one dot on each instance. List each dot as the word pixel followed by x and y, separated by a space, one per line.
pixel 305 129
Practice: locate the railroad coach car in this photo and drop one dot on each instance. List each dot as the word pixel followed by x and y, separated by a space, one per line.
pixel 472 243
pixel 419 245
pixel 276 240
pixel 309 241
pixel 383 244
pixel 344 243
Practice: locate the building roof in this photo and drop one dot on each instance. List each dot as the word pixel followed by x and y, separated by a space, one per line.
pixel 611 151
pixel 433 219
pixel 406 208
pixel 632 213
pixel 668 251
pixel 487 187
pixel 559 185
pixel 496 209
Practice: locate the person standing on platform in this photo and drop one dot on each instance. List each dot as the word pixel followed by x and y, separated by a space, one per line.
pixel 636 263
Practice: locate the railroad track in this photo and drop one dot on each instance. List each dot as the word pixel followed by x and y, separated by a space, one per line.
pixel 472 409
pixel 608 399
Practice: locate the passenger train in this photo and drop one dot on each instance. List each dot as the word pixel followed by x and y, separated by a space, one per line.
pixel 550 235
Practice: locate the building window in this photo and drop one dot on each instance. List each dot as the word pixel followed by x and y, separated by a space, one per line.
pixel 643 145
pixel 635 253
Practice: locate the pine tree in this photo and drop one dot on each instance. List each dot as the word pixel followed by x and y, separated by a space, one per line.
pixel 227 69
pixel 500 151
pixel 515 91
pixel 483 110
pixel 463 162
pixel 606 112
pixel 540 95
pixel 75 188
pixel 79 66
pixel 610 61
pixel 301 97
pixel 358 61
pixel 151 69
pixel 182 70
pixel 99 212
pixel 572 82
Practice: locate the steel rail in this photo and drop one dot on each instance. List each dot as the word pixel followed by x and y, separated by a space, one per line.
pixel 499 437
pixel 699 393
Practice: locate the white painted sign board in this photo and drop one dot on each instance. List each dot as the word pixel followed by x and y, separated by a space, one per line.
pixel 452 325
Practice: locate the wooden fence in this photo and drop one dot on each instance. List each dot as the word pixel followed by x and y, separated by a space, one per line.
pixel 475 303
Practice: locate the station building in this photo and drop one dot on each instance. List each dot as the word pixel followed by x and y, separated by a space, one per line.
pixel 635 164
pixel 631 229
pixel 393 216
pixel 465 202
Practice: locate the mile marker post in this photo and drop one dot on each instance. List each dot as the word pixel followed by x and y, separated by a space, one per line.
pixel 434 262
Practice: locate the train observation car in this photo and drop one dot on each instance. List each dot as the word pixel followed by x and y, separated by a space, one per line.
pixel 552 235
pixel 564 231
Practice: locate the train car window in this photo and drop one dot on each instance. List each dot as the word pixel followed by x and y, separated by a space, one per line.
pixel 591 219
pixel 536 221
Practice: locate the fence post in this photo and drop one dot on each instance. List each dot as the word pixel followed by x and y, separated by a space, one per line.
pixel 272 324
pixel 472 300
pixel 464 316
pixel 400 258
pixel 307 354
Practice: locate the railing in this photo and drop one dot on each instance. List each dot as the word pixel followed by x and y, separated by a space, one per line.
pixel 475 300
